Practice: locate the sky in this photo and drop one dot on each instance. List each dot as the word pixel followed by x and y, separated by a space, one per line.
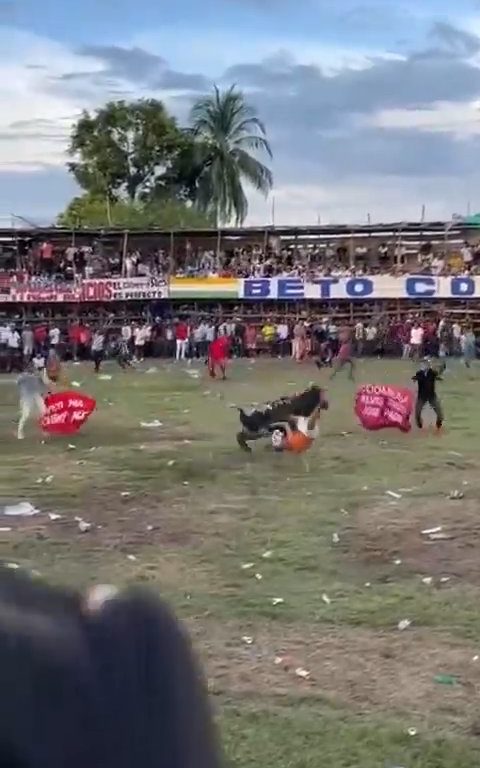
pixel 372 108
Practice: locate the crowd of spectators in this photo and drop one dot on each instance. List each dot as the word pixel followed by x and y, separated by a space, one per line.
pixel 188 337
pixel 43 263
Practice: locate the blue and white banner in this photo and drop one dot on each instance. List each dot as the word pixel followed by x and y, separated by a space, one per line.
pixel 360 288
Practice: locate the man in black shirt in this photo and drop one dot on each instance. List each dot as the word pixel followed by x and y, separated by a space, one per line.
pixel 426 379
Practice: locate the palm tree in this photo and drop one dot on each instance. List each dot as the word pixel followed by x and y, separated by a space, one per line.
pixel 228 130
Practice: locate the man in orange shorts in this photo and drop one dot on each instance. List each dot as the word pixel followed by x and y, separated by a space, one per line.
pixel 300 432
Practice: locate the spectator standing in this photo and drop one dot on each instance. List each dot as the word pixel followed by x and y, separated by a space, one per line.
pixel 269 335
pixel 457 338
pixel 98 349
pixel 299 339
pixel 371 338
pixel 4 334
pixel 14 341
pixel 139 342
pixel 199 340
pixel 282 334
pixel 416 340
pixel 27 344
pixel 127 335
pixel 169 341
pixel 54 337
pixel 40 334
pixel 359 338
pixel 182 334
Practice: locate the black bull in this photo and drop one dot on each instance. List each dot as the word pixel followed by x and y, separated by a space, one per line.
pixel 260 423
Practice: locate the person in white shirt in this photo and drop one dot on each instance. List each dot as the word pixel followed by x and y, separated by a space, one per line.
pixel 457 338
pixel 283 332
pixel 54 337
pixel 199 340
pixel 371 338
pixel 27 343
pixel 359 338
pixel 437 265
pixel 467 254
pixel 140 337
pixel 210 332
pixel 4 334
pixel 13 350
pixel 416 341
pixel 127 333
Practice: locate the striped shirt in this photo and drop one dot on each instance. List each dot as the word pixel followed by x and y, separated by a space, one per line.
pixel 98 342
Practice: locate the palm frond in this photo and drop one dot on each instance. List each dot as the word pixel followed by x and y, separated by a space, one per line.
pixel 229 127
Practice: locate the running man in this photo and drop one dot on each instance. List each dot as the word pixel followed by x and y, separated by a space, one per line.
pixel 345 354
pixel 426 379
pixel 218 355
pixel 30 390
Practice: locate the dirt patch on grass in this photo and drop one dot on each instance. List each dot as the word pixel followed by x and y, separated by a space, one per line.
pixel 126 520
pixel 365 670
pixel 387 532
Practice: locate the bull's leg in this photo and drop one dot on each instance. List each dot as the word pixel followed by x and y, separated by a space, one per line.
pixel 244 437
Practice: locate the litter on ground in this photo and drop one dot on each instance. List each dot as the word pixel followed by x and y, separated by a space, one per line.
pixel 394 495
pixel 404 624
pixel 22 509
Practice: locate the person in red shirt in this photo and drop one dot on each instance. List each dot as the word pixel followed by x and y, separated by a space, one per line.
pixel 84 339
pixel 40 334
pixel 218 356
pixel 74 338
pixel 345 355
pixel 182 333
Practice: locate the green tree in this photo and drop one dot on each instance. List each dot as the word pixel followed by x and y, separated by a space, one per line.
pixel 180 180
pixel 90 211
pixel 123 148
pixel 229 133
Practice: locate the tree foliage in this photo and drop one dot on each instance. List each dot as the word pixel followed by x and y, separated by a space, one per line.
pixel 134 162
pixel 123 148
pixel 89 211
pixel 230 134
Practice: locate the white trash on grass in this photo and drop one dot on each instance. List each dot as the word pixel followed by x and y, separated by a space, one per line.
pixel 394 495
pixel 151 424
pixel 22 509
pixel 404 624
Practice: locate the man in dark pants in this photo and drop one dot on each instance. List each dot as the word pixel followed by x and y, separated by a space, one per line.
pixel 426 379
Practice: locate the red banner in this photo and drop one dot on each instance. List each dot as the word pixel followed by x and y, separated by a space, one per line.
pixel 380 406
pixel 101 290
pixel 66 412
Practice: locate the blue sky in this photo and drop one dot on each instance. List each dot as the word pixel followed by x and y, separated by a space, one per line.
pixel 372 107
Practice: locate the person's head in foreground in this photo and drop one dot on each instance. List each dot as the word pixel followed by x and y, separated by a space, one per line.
pixel 105 681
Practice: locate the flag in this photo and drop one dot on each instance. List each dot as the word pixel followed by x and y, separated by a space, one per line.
pixel 380 406
pixel 66 412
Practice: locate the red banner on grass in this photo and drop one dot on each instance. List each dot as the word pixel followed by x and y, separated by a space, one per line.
pixel 66 412
pixel 380 406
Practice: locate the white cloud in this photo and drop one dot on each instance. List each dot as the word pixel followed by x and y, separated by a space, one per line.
pixel 384 198
pixel 462 120
pixel 214 52
pixel 34 128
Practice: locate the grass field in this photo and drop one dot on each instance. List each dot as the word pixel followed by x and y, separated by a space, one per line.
pixel 224 536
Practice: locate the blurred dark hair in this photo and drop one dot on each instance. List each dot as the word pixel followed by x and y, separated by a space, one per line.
pixel 111 687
